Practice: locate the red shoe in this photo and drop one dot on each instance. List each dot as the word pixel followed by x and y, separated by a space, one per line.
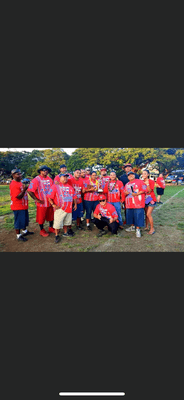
pixel 51 230
pixel 44 233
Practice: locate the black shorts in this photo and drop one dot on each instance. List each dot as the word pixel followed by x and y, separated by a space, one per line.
pixel 21 219
pixel 160 191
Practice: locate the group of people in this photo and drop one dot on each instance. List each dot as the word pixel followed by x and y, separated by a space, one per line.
pixel 69 197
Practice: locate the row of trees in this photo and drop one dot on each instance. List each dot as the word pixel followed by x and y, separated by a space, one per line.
pixel 164 159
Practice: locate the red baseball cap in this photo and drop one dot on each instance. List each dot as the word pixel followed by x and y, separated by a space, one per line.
pixel 102 197
pixel 103 169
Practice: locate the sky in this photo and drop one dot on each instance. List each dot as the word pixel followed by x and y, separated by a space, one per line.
pixel 68 150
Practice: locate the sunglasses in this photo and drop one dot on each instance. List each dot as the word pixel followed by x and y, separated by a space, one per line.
pixel 101 201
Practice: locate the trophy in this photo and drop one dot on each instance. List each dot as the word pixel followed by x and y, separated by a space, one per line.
pixel 26 181
pixel 100 190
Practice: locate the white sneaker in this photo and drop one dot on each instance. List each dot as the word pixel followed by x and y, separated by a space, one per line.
pixel 130 229
pixel 138 233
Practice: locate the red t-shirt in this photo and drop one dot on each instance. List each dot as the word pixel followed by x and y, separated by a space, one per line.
pixel 91 196
pixel 106 211
pixel 40 186
pixel 15 189
pixel 160 181
pixel 57 177
pixel 103 181
pixel 152 193
pixel 62 195
pixel 136 185
pixel 115 191
pixel 78 185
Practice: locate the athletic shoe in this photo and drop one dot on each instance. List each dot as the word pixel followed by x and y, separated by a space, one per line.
pixel 130 229
pixel 44 233
pixel 70 232
pixel 22 239
pixel 51 230
pixel 27 233
pixel 138 233
pixel 57 239
pixel 101 233
pixel 79 228
pixel 66 234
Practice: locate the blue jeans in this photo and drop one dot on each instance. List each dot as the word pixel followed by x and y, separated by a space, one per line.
pixel 117 206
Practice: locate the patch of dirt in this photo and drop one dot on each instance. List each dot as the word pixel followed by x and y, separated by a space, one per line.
pixel 164 240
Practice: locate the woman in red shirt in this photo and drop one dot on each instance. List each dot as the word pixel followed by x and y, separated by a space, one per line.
pixel 150 201
pixel 91 196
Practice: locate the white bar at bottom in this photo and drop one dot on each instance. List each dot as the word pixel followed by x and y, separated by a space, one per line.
pixel 92 394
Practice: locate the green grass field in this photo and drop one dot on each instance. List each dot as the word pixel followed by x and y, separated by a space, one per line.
pixel 163 218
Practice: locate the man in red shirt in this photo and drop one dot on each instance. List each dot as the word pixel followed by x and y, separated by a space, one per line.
pixel 160 185
pixel 103 179
pixel 135 191
pixel 61 197
pixel 19 205
pixel 105 214
pixel 77 183
pixel 38 190
pixel 63 170
pixel 115 194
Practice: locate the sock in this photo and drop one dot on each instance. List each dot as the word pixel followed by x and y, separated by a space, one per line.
pixel 18 235
pixel 88 224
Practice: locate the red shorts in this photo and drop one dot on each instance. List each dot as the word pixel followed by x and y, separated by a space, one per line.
pixel 44 214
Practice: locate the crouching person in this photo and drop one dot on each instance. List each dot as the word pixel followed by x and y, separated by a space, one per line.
pixel 61 197
pixel 105 214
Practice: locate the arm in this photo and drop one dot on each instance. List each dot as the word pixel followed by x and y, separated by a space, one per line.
pixel 35 198
pixel 21 194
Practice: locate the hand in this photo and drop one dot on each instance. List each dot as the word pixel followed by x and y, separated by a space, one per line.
pixel 111 220
pixel 99 216
pixel 25 187
pixel 134 194
pixel 40 201
pixel 75 207
pixel 55 207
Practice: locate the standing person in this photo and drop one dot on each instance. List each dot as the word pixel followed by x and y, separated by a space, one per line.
pixel 77 183
pixel 91 196
pixel 124 178
pixel 38 190
pixel 115 195
pixel 160 186
pixel 63 170
pixel 19 205
pixel 83 173
pixel 61 197
pixel 150 201
pixel 135 191
pixel 105 214
pixel 103 179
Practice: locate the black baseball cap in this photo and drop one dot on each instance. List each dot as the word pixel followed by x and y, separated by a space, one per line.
pixel 131 172
pixel 44 167
pixel 63 166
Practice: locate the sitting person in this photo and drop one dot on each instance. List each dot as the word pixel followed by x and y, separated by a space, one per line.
pixel 105 214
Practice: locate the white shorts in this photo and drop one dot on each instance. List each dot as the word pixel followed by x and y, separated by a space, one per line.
pixel 62 218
